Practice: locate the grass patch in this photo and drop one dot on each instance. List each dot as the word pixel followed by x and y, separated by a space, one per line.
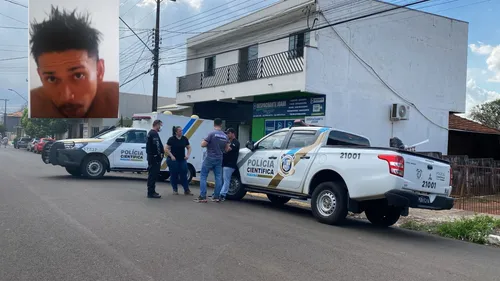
pixel 473 229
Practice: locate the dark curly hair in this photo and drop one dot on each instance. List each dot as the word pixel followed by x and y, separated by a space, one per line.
pixel 64 31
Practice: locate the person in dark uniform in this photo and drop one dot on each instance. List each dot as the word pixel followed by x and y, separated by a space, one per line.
pixel 229 162
pixel 155 153
pixel 177 159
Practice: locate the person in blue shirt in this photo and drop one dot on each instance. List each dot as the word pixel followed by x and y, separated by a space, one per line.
pixel 216 144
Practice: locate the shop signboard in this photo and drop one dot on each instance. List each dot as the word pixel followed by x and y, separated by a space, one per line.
pixel 273 125
pixel 309 106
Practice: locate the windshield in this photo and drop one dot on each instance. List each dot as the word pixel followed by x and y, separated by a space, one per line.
pixel 111 134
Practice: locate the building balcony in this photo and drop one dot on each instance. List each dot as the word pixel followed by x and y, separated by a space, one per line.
pixel 278 72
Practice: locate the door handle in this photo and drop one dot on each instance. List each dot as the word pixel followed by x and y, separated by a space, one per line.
pixel 143 147
pixel 273 157
pixel 305 157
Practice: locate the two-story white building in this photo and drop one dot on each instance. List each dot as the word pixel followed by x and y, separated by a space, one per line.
pixel 309 59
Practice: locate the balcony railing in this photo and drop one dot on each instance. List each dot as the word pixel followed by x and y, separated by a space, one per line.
pixel 265 67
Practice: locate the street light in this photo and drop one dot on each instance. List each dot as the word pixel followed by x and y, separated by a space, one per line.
pixel 12 90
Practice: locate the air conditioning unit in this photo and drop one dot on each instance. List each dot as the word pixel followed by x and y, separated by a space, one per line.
pixel 399 112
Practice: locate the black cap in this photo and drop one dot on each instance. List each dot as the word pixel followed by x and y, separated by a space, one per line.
pixel 230 130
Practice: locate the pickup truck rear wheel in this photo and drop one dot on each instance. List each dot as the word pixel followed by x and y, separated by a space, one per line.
pixel 278 200
pixel 236 189
pixel 329 203
pixel 93 167
pixel 383 215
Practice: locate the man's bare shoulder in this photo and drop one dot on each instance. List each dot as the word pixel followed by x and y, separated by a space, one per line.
pixel 106 102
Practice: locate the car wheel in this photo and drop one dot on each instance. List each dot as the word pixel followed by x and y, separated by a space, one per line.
pixel 74 171
pixel 384 215
pixel 329 203
pixel 191 173
pixel 278 200
pixel 93 167
pixel 236 189
pixel 163 176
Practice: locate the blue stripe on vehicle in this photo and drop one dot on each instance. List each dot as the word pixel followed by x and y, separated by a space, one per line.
pixel 188 125
pixel 293 151
pixel 322 130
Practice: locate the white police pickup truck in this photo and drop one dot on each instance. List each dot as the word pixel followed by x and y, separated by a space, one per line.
pixel 124 149
pixel 340 172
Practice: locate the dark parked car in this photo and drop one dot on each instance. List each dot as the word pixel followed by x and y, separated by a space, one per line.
pixel 23 142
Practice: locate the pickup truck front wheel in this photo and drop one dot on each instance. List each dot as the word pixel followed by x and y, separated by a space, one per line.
pixel 384 216
pixel 329 203
pixel 93 167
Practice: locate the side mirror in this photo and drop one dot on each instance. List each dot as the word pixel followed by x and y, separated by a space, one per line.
pixel 250 145
pixel 120 139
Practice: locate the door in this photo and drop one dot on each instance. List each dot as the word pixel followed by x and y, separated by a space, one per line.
pixel 262 166
pixel 248 63
pixel 132 153
pixel 296 159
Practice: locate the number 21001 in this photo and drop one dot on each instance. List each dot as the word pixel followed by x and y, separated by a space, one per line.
pixel 345 155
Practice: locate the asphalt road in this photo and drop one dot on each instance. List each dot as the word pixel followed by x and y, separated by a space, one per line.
pixel 55 227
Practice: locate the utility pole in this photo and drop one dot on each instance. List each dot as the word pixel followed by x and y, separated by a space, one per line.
pixel 5 114
pixel 156 64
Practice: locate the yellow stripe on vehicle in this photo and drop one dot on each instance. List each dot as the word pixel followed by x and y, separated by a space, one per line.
pixel 300 153
pixel 193 128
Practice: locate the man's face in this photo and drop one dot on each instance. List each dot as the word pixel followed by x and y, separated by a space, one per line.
pixel 70 79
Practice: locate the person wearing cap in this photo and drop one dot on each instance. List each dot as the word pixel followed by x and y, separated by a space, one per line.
pixel 155 152
pixel 229 162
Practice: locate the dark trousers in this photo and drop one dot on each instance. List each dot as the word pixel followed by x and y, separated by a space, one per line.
pixel 178 173
pixel 154 166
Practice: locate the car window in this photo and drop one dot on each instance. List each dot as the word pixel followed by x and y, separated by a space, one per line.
pixel 135 136
pixel 342 138
pixel 273 141
pixel 301 139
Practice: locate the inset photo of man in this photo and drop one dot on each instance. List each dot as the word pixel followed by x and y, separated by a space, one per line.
pixel 74 58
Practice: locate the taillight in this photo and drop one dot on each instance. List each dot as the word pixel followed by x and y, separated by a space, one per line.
pixel 396 164
pixel 451 176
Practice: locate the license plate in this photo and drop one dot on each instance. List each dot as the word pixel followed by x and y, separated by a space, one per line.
pixel 424 199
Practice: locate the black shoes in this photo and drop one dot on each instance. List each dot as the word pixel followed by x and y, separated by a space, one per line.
pixel 154 195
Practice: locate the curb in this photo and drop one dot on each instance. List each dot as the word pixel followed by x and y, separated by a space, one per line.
pixel 494 240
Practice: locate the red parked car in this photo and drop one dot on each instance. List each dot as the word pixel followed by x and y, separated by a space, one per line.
pixel 39 145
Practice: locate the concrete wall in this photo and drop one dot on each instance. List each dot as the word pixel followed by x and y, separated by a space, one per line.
pixel 421 56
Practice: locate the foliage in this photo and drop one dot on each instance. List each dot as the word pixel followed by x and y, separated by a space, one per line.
pixel 487 114
pixel 2 130
pixel 43 127
pixel 474 229
pixel 124 122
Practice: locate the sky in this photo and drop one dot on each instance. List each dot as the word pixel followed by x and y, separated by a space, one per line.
pixel 185 18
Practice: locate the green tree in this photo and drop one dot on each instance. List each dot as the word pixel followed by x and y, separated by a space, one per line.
pixel 43 127
pixel 487 114
pixel 2 130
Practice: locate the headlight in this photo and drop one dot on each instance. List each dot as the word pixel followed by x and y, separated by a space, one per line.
pixel 73 145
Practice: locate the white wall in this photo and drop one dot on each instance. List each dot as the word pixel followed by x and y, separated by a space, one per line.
pixel 104 17
pixel 421 56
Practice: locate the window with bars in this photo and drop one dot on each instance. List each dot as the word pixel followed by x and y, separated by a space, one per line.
pixel 95 130
pixel 210 66
pixel 296 44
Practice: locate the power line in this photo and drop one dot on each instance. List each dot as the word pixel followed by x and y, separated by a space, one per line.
pixel 14 19
pixel 16 3
pixel 16 58
pixel 137 35
pixel 13 27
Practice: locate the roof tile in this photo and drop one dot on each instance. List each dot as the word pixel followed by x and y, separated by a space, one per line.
pixel 462 124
